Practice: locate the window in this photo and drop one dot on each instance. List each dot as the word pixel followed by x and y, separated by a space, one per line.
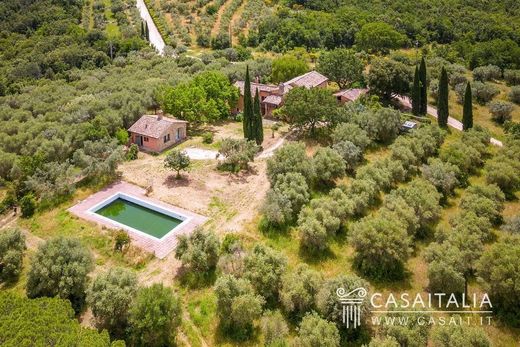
pixel 178 136
pixel 166 138
pixel 145 139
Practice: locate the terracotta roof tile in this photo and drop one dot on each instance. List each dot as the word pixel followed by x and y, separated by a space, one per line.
pixel 273 100
pixel 152 126
pixel 309 80
pixel 261 87
pixel 351 94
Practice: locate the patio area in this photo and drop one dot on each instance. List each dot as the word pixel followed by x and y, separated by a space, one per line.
pixel 161 247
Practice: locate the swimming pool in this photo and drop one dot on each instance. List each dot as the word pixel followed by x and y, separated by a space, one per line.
pixel 138 215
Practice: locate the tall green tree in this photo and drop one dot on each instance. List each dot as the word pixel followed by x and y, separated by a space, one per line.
pixel 142 30
pixel 467 111
pixel 424 87
pixel 248 108
pixel 416 93
pixel 342 66
pixel 147 31
pixel 442 102
pixel 257 122
pixel 287 67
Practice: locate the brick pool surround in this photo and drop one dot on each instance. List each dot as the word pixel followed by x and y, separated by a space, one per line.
pixel 149 205
pixel 161 247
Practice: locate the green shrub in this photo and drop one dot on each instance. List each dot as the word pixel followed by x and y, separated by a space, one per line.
pixel 514 94
pixel 207 137
pixel 28 205
pixel 12 247
pixel 132 152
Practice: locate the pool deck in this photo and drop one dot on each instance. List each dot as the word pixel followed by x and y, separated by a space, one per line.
pixel 160 247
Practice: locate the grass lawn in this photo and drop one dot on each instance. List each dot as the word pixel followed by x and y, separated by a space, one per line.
pixel 59 222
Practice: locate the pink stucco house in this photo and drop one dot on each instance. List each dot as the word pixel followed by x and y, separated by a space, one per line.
pixel 155 133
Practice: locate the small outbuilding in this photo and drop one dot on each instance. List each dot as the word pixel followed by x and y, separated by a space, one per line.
pixel 349 95
pixel 155 133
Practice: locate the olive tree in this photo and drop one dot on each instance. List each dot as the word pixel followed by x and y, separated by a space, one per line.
pixel 459 336
pixel 198 251
pixel 327 299
pixel 12 248
pixel 237 304
pixel 352 155
pixel 274 328
pixel 290 158
pixel 501 279
pixel 382 124
pixel 110 295
pixel 285 200
pixel 512 225
pixel 328 164
pixel 154 316
pixel 500 111
pixel 442 175
pixel 351 132
pixel 315 331
pixel 387 341
pixel 237 154
pixel 411 334
pixel 264 267
pixel 382 246
pixel 299 289
pixel 177 160
pixel 484 201
pixel 60 268
pixel 422 196
pixel 503 172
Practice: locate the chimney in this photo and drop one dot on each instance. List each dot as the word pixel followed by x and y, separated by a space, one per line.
pixel 257 79
pixel 159 115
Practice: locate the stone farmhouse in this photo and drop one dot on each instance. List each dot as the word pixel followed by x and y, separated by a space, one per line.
pixel 272 96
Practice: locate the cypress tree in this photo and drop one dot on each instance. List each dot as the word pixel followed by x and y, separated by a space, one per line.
pixel 258 128
pixel 416 93
pixel 147 31
pixel 142 30
pixel 467 111
pixel 248 108
pixel 424 92
pixel 443 109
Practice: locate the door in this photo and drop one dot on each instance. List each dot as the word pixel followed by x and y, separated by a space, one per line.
pixel 139 140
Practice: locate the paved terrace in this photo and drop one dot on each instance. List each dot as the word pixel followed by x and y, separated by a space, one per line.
pixel 161 248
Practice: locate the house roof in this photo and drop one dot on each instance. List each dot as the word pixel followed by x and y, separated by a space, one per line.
pixel 351 94
pixel 310 79
pixel 273 100
pixel 254 86
pixel 153 125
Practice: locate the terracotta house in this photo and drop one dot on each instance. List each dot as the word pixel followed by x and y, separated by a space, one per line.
pixel 271 96
pixel 155 133
pixel 348 95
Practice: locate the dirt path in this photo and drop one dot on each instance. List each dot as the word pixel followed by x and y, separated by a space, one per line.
pixel 452 122
pixel 216 27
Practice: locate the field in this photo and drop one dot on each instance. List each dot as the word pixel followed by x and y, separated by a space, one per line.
pixel 197 24
pixel 226 200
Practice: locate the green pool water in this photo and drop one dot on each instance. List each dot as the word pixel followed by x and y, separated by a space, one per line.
pixel 151 222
